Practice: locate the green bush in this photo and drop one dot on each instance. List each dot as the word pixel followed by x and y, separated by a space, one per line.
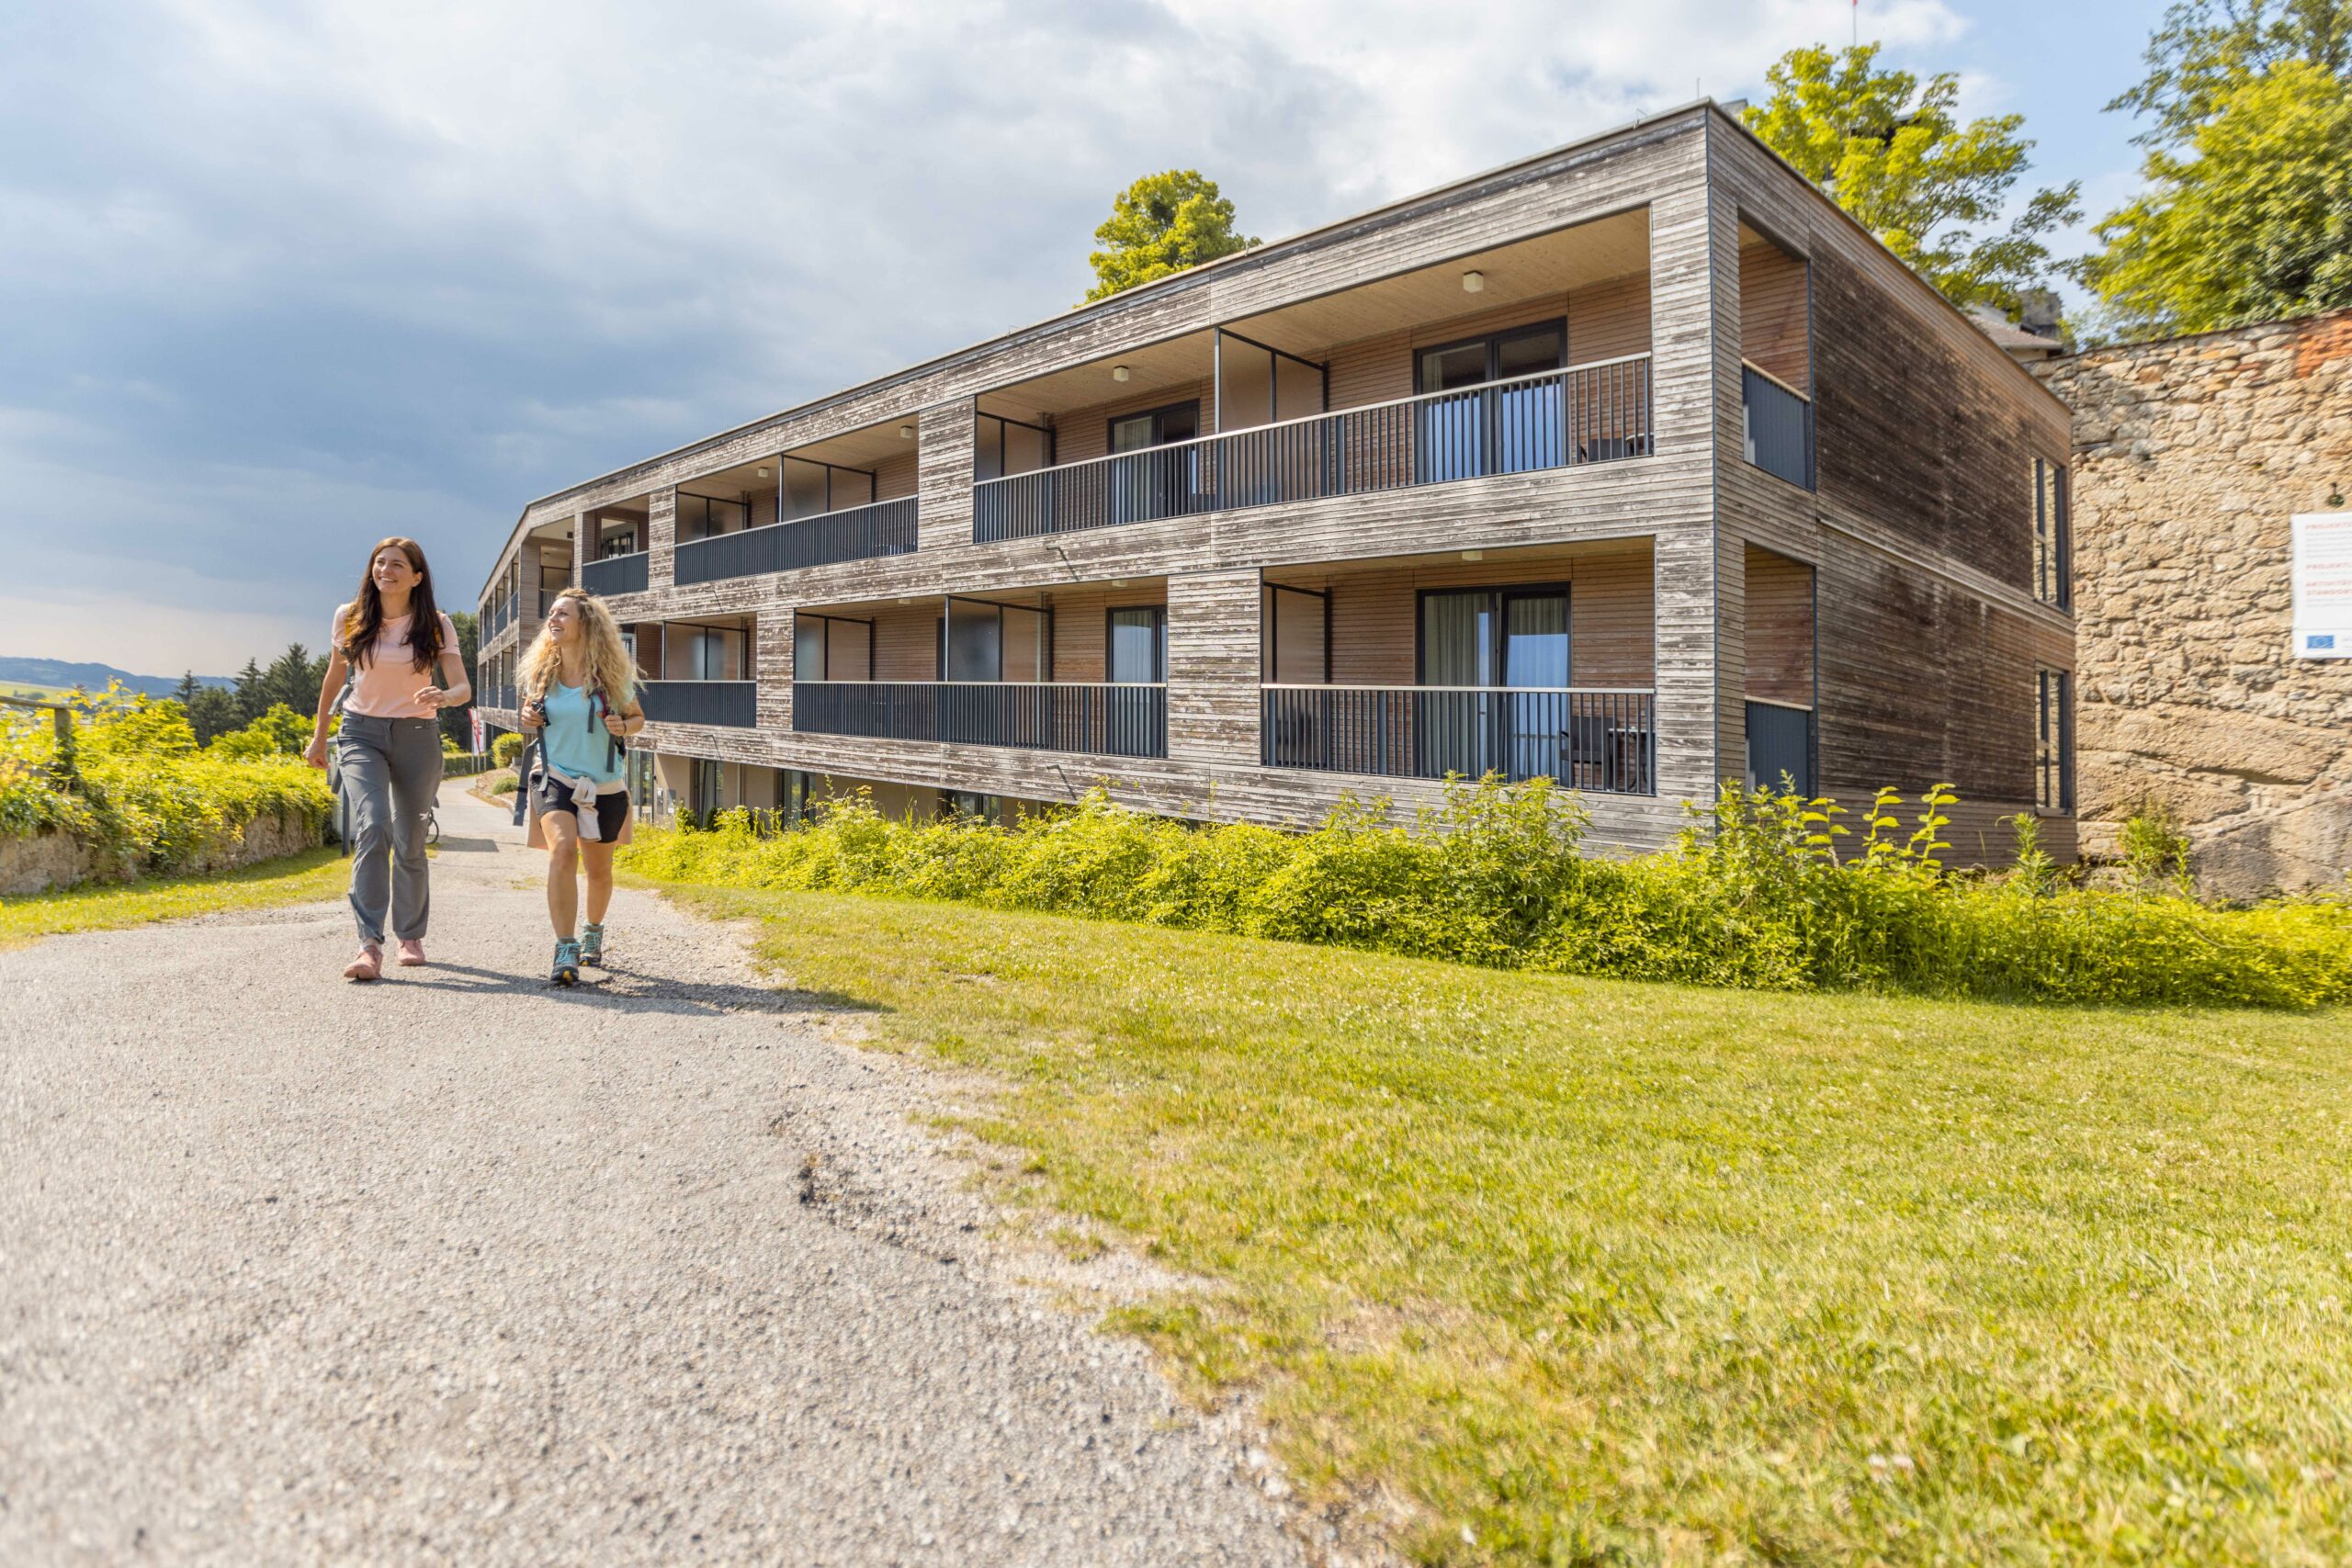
pixel 506 749
pixel 280 732
pixel 147 800
pixel 1762 890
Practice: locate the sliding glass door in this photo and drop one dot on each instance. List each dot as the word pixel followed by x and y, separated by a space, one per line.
pixel 1480 428
pixel 1492 643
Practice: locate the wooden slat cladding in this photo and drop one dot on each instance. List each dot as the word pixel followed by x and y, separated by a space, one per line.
pixel 661 538
pixel 897 476
pixel 1604 322
pixel 1222 790
pixel 772 667
pixel 1611 174
pixel 1611 631
pixel 1923 428
pixel 944 458
pixel 1921 683
pixel 1779 628
pixel 1213 666
pixel 1773 309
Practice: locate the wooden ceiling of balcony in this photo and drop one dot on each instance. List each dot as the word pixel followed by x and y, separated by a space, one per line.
pixel 1138 590
pixel 1508 560
pixel 1558 262
pixel 864 449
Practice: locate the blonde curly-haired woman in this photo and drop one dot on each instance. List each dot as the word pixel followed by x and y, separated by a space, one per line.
pixel 578 693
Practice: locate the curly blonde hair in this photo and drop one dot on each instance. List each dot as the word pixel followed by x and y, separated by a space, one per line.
pixel 610 669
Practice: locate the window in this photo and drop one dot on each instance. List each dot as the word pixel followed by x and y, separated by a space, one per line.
pixel 1002 447
pixel 2054 745
pixel 1177 421
pixel 1494 640
pixel 1514 429
pixel 706 516
pixel 2053 536
pixel 1138 644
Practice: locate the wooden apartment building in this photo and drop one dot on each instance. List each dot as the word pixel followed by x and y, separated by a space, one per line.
pixel 1637 464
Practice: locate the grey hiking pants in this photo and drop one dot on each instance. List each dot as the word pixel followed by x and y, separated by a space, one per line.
pixel 389 772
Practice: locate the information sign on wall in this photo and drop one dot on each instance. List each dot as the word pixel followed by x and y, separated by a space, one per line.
pixel 2322 584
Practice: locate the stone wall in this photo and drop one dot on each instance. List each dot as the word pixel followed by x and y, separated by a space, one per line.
pixel 2191 456
pixel 45 861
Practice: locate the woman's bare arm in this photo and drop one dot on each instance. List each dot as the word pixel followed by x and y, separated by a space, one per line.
pixel 329 687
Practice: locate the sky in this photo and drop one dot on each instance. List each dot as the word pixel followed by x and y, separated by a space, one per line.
pixel 279 278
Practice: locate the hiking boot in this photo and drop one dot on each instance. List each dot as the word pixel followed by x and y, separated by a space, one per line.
pixel 592 944
pixel 369 965
pixel 567 963
pixel 412 952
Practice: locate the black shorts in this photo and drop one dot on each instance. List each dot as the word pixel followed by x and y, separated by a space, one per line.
pixel 612 810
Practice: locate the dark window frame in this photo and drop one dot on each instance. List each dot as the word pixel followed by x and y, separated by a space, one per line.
pixel 2054 543
pixel 1159 642
pixel 2054 754
pixel 1494 341
pixel 1111 426
pixel 1504 592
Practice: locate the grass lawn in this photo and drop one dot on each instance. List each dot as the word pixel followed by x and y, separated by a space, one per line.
pixel 108 906
pixel 1555 1270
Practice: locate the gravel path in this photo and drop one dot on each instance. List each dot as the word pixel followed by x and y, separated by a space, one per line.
pixel 461 1268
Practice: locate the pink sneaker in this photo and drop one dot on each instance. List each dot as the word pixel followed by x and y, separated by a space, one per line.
pixel 368 965
pixel 412 952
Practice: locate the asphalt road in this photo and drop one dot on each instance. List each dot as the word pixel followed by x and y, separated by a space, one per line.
pixel 461 1268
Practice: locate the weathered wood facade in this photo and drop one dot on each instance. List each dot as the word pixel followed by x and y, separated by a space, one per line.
pixel 1775 471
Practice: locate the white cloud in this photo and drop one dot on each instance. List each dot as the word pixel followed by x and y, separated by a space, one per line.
pixel 308 269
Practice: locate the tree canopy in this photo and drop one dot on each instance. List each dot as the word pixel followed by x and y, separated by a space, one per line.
pixel 2252 222
pixel 1890 149
pixel 2204 49
pixel 1162 224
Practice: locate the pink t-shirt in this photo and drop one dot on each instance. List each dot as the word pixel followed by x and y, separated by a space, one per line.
pixel 386 685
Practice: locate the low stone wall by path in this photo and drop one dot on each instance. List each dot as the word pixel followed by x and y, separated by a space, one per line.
pixel 57 860
pixel 2191 455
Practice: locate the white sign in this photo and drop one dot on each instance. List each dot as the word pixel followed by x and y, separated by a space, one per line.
pixel 2323 578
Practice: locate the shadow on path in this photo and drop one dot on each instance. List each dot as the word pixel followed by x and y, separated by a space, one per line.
pixel 632 991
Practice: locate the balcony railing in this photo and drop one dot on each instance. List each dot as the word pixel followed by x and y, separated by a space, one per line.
pixel 731 703
pixel 616 574
pixel 1587 414
pixel 1123 720
pixel 856 533
pixel 1778 427
pixel 1595 739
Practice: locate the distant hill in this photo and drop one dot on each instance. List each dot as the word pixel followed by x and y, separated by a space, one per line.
pixel 57 673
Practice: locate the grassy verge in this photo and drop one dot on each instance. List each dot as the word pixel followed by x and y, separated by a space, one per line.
pixel 108 905
pixel 1570 1270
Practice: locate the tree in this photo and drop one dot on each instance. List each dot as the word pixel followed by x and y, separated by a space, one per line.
pixel 2253 224
pixel 2206 48
pixel 251 702
pixel 1162 224
pixel 212 711
pixel 185 692
pixel 1893 152
pixel 280 732
pixel 456 724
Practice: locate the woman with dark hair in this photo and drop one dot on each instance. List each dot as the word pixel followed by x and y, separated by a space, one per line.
pixel 400 656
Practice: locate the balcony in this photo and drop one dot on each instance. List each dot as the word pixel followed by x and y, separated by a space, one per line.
pixel 616 575
pixel 1776 426
pixel 1116 720
pixel 1585 413
pixel 856 533
pixel 1597 739
pixel 730 704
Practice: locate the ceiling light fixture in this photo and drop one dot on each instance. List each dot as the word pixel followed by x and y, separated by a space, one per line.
pixel 1120 373
pixel 906 432
pixel 761 472
pixel 1473 555
pixel 1474 283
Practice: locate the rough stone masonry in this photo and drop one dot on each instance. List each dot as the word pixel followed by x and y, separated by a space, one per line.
pixel 2191 456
